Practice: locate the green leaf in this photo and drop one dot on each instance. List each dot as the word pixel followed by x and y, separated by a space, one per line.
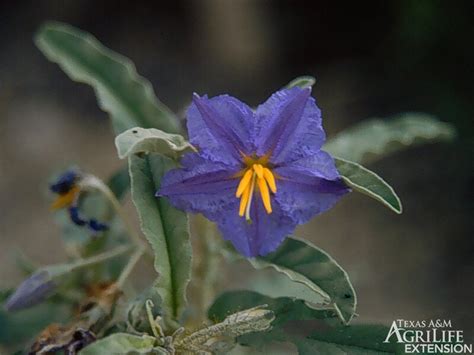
pixel 354 339
pixel 285 309
pixel 166 229
pixel 302 82
pixel 220 337
pixel 310 266
pixel 121 92
pixel 373 139
pixel 367 182
pixel 151 140
pixel 123 343
pixel 359 339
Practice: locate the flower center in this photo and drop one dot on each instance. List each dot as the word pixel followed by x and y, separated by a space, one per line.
pixel 255 175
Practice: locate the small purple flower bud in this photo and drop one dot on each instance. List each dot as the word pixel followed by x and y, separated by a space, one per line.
pixel 32 291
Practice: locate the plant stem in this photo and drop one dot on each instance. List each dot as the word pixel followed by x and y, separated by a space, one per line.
pixel 100 257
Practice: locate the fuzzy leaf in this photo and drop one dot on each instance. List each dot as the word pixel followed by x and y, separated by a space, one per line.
pixel 310 266
pixel 369 183
pixel 166 229
pixel 373 139
pixel 151 140
pixel 122 343
pixel 359 339
pixel 121 92
pixel 302 82
pixel 354 339
pixel 221 335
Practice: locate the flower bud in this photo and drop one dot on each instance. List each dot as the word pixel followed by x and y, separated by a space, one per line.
pixel 32 291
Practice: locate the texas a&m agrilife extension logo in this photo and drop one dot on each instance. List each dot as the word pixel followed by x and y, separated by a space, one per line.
pixel 428 337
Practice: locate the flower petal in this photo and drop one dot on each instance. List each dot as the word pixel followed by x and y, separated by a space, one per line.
pixel 308 187
pixel 221 127
pixel 200 186
pixel 262 236
pixel 289 126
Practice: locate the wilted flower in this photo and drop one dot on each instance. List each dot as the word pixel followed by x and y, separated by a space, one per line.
pixel 32 291
pixel 68 340
pixel 68 188
pixel 257 174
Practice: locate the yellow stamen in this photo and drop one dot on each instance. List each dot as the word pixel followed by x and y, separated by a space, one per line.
pixel 255 173
pixel 244 200
pixel 65 200
pixel 268 175
pixel 262 185
pixel 258 170
pixel 252 187
pixel 243 183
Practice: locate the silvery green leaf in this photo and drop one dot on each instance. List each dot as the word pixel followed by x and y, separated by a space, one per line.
pixel 151 140
pixel 369 183
pixel 310 266
pixel 166 229
pixel 302 82
pixel 123 343
pixel 121 92
pixel 340 340
pixel 285 310
pixel 255 319
pixel 373 139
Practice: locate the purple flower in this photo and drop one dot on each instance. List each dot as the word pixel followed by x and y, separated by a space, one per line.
pixel 258 174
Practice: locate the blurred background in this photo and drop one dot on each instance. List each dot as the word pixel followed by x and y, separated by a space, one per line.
pixel 370 59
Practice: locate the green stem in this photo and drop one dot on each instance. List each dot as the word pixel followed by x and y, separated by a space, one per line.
pixel 81 263
pixel 101 257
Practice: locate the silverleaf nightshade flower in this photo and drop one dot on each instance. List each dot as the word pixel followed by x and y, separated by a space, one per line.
pixel 257 174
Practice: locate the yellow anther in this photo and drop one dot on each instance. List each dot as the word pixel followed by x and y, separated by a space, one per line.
pixel 244 183
pixel 268 175
pixel 258 170
pixel 65 200
pixel 244 200
pixel 254 174
pixel 262 185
